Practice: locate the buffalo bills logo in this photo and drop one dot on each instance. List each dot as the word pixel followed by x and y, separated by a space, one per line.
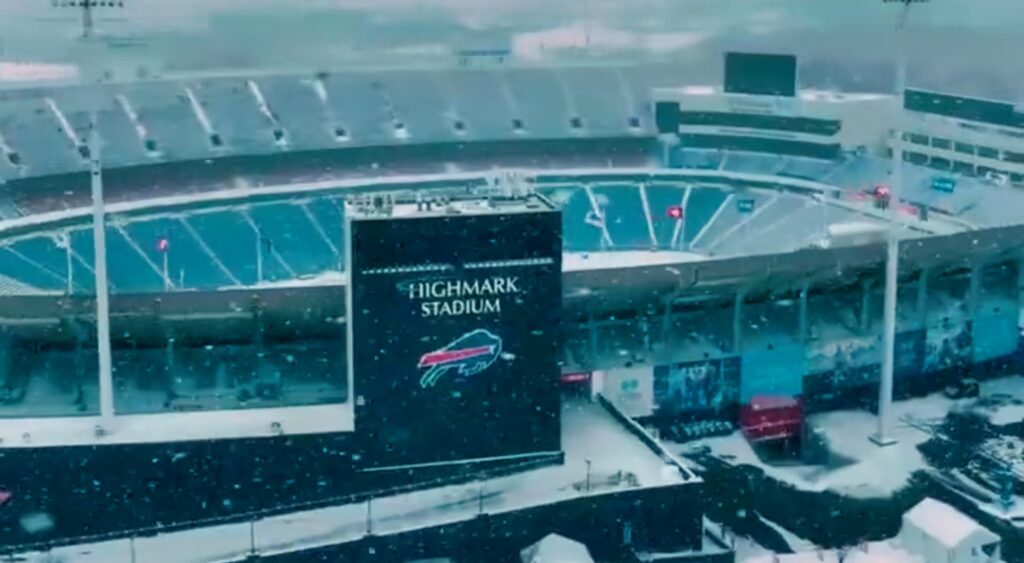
pixel 468 355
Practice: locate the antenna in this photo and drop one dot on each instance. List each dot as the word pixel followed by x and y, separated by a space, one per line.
pixel 86 7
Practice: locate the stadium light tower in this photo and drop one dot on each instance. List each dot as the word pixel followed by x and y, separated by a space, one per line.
pixel 92 71
pixel 884 436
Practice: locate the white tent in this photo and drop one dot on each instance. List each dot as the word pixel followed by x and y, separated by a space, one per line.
pixel 942 534
pixel 554 548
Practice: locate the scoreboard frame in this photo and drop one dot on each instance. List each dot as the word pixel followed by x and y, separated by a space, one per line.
pixel 453 319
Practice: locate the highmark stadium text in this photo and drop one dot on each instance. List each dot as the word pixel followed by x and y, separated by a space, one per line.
pixel 454 331
pixel 462 297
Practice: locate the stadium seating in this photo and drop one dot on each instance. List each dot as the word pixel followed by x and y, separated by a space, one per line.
pixel 702 159
pixel 158 121
pixel 302 237
pixel 806 168
pixel 624 216
pixel 751 163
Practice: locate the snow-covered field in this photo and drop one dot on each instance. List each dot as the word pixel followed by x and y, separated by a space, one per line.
pixel 874 471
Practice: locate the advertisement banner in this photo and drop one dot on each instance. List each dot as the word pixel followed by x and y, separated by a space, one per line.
pixel 631 390
pixel 454 325
pixel 697 387
pixel 774 372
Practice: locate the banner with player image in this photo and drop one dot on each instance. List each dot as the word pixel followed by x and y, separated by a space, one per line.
pixel 706 386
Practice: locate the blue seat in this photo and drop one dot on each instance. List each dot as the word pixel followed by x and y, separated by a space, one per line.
pixel 703 204
pixel 289 231
pixel 581 231
pixel 807 168
pixel 43 250
pixel 30 274
pixel 127 270
pixel 729 217
pixel 82 268
pixel 704 159
pixel 660 197
pixel 752 163
pixel 228 235
pixel 328 212
pixel 187 261
pixel 624 216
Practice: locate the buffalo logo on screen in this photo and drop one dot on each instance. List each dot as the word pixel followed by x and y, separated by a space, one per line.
pixel 467 355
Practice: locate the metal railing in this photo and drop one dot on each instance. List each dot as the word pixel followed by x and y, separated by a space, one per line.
pixel 254 517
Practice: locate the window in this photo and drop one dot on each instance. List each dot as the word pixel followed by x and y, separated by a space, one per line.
pixel 811 126
pixel 576 123
pixel 915 157
pixel 1015 157
pixel 963 148
pixel 941 143
pixel 988 152
pixel 964 168
pixel 919 139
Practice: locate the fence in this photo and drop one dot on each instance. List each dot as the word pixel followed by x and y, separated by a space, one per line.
pixel 254 518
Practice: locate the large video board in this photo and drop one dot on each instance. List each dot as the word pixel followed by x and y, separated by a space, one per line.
pixel 454 325
pixel 760 74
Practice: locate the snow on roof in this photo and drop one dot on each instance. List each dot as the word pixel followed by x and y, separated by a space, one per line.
pixel 872 552
pixel 943 522
pixel 554 548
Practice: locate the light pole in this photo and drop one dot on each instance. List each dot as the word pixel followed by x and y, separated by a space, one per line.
pixel 884 437
pixel 588 474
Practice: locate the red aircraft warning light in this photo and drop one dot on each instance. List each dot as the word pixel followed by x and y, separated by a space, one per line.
pixel 674 212
pixel 163 245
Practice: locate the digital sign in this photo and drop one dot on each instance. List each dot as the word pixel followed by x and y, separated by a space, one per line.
pixel 454 325
pixel 760 74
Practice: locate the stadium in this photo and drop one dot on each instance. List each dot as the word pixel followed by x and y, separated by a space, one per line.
pixel 739 226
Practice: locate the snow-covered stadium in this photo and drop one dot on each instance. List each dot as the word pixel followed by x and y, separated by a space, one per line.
pixel 700 227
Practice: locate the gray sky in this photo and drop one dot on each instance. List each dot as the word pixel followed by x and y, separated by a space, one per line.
pixel 967 35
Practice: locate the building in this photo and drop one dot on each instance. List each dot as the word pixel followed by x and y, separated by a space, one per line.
pixel 939 532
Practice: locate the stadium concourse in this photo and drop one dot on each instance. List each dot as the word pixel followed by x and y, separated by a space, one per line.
pixel 754 259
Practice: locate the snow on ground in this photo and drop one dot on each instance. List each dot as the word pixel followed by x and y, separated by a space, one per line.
pixel 579 261
pixel 795 542
pixel 873 471
pixel 588 434
pixel 748 550
pixel 873 552
pixel 1006 404
pixel 328 278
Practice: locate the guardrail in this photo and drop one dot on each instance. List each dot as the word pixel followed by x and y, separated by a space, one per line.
pixel 650 441
pixel 256 516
